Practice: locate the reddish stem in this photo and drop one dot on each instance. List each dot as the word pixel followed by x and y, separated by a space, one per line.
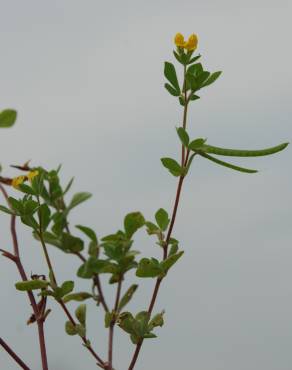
pixel 112 325
pixel 13 355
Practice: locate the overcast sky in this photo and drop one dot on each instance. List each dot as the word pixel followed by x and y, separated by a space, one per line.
pixel 86 78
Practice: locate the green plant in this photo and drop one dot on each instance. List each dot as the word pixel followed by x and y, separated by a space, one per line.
pixel 42 206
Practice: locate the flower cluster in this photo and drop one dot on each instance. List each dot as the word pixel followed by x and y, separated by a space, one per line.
pixel 16 181
pixel 189 45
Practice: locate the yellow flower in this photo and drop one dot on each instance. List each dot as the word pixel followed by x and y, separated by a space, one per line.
pixel 32 174
pixel 179 40
pixel 189 45
pixel 192 43
pixel 16 181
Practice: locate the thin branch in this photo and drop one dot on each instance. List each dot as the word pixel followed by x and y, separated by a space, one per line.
pixel 13 355
pixel 112 325
pixel 16 259
pixel 101 363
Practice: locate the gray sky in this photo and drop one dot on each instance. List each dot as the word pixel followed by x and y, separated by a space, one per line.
pixel 87 80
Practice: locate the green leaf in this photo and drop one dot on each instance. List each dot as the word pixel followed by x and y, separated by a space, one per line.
pixel 161 217
pixel 201 78
pixel 212 78
pixel 141 323
pixel 50 238
pixel 68 186
pixel 127 296
pixel 192 60
pixel 183 135
pixel 195 69
pixel 174 168
pixel 149 268
pixel 81 331
pixel 157 320
pixel 170 261
pixel 170 74
pixel 171 90
pixel 71 243
pixel 132 222
pixel 126 322
pixel 80 314
pixel 7 118
pixel 193 96
pixel 67 287
pixel 78 297
pixel 152 229
pixel 31 285
pixel 77 199
pixel 94 266
pixel 196 144
pixel 88 232
pixel 228 165
pixel 241 152
pixel 45 216
pixel 108 318
pixel 177 57
pixel 70 328
pixel 6 210
pixel 26 189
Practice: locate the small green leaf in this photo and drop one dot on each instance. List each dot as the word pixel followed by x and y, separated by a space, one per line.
pixel 68 186
pixel 88 232
pixel 71 243
pixel 26 189
pixel 80 314
pixel 6 210
pixel 212 78
pixel 149 268
pixel 77 199
pixel 171 90
pixel 196 144
pixel 161 217
pixel 81 330
pixel 194 59
pixel 195 69
pixel 70 328
pixel 127 296
pixel 170 261
pixel 183 135
pixel 157 320
pixel 7 118
pixel 170 74
pixel 174 168
pixel 78 297
pixel 31 285
pixel 241 152
pixel 67 287
pixel 228 165
pixel 132 222
pixel 108 318
pixel 45 216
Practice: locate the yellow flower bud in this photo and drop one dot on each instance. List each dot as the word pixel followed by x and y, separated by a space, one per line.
pixel 192 43
pixel 18 181
pixel 32 174
pixel 179 40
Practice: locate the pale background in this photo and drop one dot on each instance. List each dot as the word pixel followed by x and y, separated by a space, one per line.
pixel 87 80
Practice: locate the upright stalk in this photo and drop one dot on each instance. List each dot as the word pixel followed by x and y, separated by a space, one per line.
pixel 184 161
